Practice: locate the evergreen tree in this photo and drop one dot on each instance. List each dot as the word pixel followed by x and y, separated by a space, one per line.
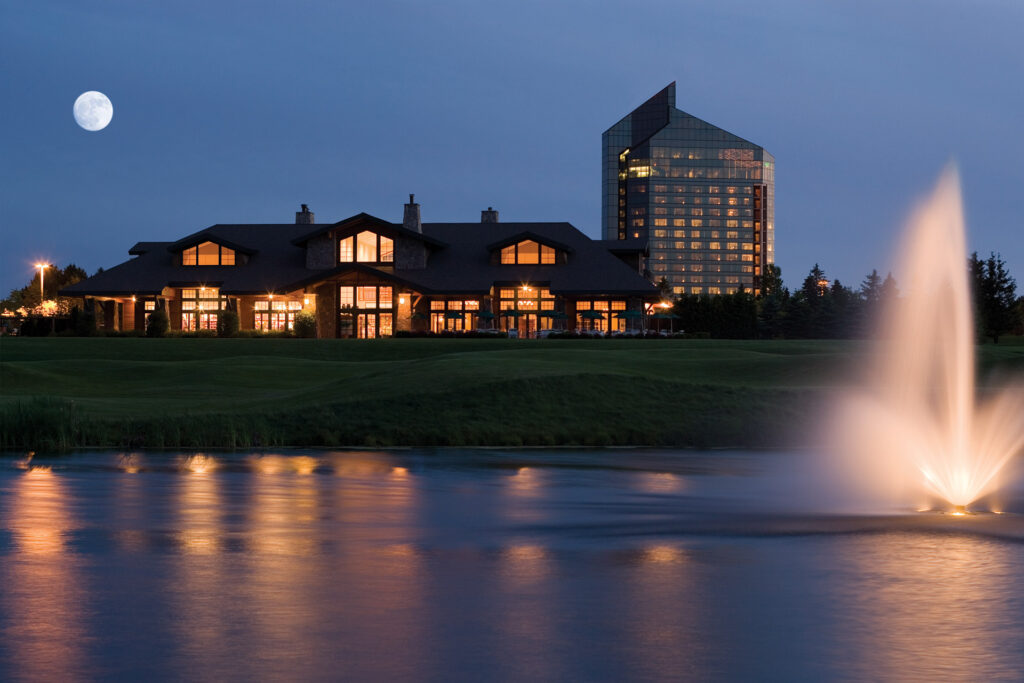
pixel 771 281
pixel 871 288
pixel 995 296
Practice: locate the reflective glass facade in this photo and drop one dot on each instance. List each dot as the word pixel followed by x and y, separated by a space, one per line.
pixel 702 197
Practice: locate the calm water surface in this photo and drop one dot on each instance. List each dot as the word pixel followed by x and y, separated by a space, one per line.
pixel 485 565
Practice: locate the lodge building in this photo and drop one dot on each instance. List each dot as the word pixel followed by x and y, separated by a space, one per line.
pixel 366 277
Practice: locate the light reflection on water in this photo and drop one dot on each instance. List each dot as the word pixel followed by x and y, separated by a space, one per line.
pixel 470 566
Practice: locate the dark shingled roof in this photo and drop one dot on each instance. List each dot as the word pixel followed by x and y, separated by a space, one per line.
pixel 459 262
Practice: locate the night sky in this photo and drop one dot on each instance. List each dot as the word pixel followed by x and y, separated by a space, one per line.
pixel 237 112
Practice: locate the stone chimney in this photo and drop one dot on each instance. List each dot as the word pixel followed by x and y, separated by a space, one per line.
pixel 489 216
pixel 304 217
pixel 411 219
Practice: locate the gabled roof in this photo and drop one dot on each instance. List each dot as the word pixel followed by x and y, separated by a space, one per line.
pixel 210 234
pixel 140 248
pixel 385 273
pixel 274 262
pixel 362 221
pixel 528 235
pixel 459 262
pixel 465 265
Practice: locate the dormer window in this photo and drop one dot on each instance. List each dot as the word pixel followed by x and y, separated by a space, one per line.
pixel 208 254
pixel 528 252
pixel 366 247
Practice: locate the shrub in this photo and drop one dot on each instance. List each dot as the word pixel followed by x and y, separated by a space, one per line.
pixel 83 322
pixel 227 324
pixel 157 323
pixel 305 325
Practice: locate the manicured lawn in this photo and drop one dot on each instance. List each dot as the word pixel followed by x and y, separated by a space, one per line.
pixel 238 393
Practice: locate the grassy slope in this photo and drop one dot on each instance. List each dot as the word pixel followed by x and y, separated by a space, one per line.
pixel 61 393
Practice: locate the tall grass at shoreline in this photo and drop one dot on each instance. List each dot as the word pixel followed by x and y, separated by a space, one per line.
pixel 59 394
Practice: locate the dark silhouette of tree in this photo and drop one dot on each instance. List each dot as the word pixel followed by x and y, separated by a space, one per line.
pixel 995 296
pixel 54 279
pixel 772 303
pixel 871 288
pixel 890 289
pixel 771 281
pixel 665 288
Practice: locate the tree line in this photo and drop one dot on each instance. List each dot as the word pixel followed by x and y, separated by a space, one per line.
pixel 824 309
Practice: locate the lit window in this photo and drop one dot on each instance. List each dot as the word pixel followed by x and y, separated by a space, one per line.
pixel 529 252
pixel 732 245
pixel 437 305
pixel 547 255
pixel 366 247
pixel 150 306
pixel 508 254
pixel 385 297
pixel 366 297
pixel 387 249
pixel 200 308
pixel 346 297
pixel 275 315
pixel 345 252
pixel 472 305
pixel 714 245
pixel 209 254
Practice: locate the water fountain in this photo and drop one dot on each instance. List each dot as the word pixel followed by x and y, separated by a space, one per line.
pixel 917 427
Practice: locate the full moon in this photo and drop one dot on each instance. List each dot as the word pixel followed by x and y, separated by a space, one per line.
pixel 93 110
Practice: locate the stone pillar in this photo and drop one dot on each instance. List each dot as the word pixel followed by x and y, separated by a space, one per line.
pixel 327 310
pixel 403 312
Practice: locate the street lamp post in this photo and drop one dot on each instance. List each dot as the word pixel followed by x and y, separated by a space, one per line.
pixel 41 267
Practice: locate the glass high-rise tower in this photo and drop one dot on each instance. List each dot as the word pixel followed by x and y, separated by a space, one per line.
pixel 703 198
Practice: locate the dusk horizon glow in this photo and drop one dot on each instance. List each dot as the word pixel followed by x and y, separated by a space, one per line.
pixel 230 117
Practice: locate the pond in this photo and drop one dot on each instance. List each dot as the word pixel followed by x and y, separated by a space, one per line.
pixel 487 565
